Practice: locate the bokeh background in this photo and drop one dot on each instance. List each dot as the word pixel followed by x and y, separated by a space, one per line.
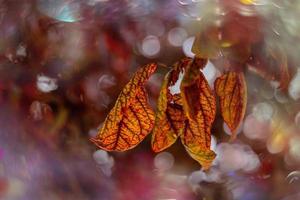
pixel 62 66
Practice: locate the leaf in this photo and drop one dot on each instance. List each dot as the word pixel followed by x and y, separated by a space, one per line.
pixel 170 117
pixel 232 90
pixel 206 44
pixel 204 157
pixel 200 107
pixel 192 82
pixel 131 119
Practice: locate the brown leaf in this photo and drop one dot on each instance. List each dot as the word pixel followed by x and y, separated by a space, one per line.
pixel 200 107
pixel 206 44
pixel 131 119
pixel 188 114
pixel 192 82
pixel 232 90
pixel 204 157
pixel 169 122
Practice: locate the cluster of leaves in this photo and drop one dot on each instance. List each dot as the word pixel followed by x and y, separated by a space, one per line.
pixel 188 114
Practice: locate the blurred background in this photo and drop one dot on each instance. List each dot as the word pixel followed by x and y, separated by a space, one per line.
pixel 63 64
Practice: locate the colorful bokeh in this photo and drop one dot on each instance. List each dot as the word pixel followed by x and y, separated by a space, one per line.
pixel 64 62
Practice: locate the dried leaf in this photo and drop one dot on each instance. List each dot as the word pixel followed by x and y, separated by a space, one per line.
pixel 284 73
pixel 196 139
pixel 188 112
pixel 131 119
pixel 206 44
pixel 170 117
pixel 194 81
pixel 200 107
pixel 204 157
pixel 232 91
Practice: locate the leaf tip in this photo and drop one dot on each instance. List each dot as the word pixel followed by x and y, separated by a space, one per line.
pixel 204 157
pixel 95 141
pixel 156 149
pixel 151 67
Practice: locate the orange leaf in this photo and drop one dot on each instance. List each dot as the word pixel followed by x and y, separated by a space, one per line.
pixel 192 82
pixel 196 139
pixel 204 157
pixel 200 107
pixel 170 117
pixel 131 119
pixel 188 113
pixel 232 91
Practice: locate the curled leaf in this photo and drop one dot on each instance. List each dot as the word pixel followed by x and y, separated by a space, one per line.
pixel 204 157
pixel 193 86
pixel 131 119
pixel 200 107
pixel 196 139
pixel 170 117
pixel 232 90
pixel 186 108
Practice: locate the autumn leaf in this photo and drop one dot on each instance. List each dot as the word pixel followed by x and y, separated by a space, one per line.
pixel 232 92
pixel 204 157
pixel 200 107
pixel 192 82
pixel 169 122
pixel 131 119
pixel 206 44
pixel 196 139
pixel 188 113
